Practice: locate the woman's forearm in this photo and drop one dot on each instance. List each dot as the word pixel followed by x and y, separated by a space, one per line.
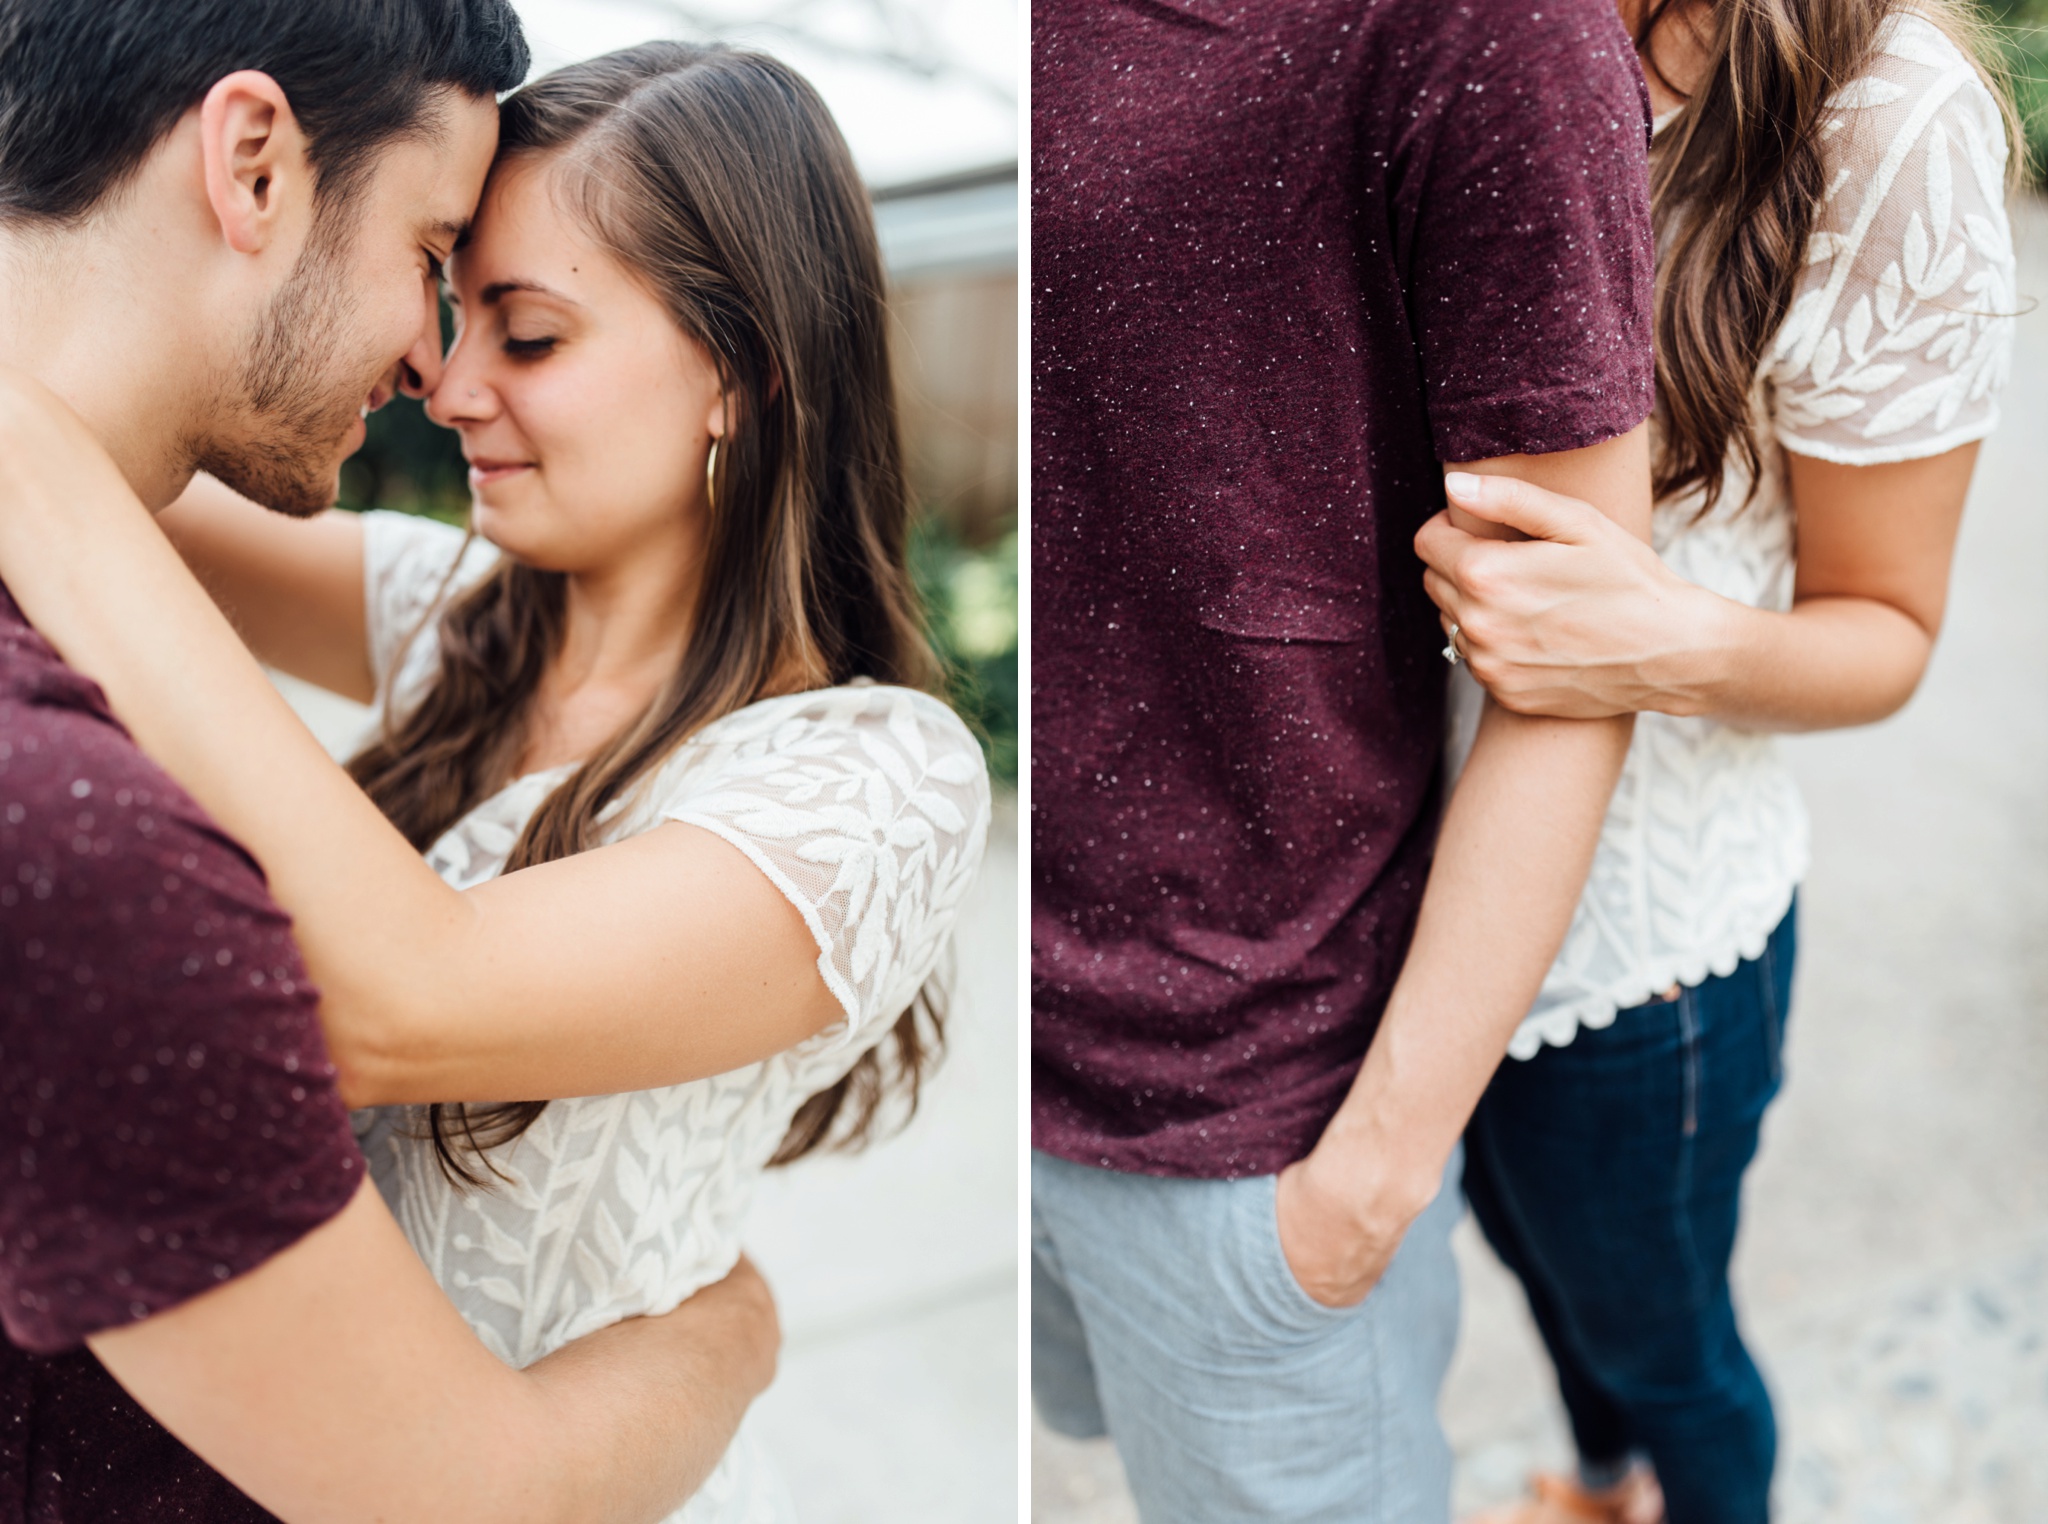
pixel 292 587
pixel 1593 623
pixel 1830 662
pixel 648 962
pixel 197 702
pixel 334 1383
pixel 649 1406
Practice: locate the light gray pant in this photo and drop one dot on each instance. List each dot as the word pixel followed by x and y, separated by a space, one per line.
pixel 1163 1314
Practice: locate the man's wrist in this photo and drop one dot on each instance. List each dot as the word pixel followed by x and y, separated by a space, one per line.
pixel 1382 1185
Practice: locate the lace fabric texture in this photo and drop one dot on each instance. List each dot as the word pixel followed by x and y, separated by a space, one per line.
pixel 868 808
pixel 1895 348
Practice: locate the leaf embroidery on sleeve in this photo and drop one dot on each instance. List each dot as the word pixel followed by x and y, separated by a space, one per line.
pixel 1908 350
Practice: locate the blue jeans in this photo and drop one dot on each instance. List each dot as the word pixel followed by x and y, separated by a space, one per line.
pixel 1163 1313
pixel 1607 1174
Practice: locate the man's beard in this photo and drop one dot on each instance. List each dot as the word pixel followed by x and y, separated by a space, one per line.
pixel 292 416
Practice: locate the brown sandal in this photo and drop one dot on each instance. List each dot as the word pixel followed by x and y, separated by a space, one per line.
pixel 1635 1499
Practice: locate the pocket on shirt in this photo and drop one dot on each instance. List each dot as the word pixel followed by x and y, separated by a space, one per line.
pixel 1287 610
pixel 1220 14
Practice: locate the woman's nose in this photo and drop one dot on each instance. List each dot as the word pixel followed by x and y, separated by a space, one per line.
pixel 459 396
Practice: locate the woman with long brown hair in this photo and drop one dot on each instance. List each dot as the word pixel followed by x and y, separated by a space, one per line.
pixel 1834 316
pixel 694 831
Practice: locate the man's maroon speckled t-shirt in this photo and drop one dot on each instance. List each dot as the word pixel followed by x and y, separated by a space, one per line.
pixel 1288 257
pixel 168 1115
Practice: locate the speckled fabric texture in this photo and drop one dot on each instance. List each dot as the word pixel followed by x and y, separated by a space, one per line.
pixel 1288 257
pixel 168 1114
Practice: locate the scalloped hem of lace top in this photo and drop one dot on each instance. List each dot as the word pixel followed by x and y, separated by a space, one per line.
pixel 1556 1027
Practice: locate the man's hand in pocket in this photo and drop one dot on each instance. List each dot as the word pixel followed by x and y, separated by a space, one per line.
pixel 1337 1232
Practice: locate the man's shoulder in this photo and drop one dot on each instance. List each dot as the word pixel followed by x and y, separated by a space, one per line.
pixel 36 687
pixel 1489 27
pixel 165 1069
pixel 1454 54
pixel 81 804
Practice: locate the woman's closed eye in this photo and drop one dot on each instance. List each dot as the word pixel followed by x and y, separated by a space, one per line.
pixel 529 349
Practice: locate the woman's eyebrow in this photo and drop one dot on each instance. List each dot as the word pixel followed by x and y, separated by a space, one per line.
pixel 498 289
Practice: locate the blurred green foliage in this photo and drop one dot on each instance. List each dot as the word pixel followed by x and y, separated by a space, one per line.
pixel 408 462
pixel 970 597
pixel 411 464
pixel 2023 37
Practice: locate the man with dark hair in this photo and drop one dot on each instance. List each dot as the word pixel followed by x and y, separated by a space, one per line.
pixel 221 225
pixel 90 94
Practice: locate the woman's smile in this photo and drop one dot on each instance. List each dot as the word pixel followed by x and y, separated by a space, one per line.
pixel 484 472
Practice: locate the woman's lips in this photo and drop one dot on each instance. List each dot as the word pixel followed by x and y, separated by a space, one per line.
pixel 483 473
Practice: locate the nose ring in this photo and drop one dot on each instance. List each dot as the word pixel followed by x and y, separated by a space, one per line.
pixel 472 393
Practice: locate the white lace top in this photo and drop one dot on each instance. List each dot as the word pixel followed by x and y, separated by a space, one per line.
pixel 868 808
pixel 1895 348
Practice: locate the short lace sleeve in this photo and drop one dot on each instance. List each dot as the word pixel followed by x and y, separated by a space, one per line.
pixel 410 573
pixel 1900 333
pixel 868 808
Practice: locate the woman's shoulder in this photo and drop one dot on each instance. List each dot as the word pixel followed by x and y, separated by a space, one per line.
pixel 876 715
pixel 865 747
pixel 867 805
pixel 1919 82
pixel 1910 42
pixel 1899 335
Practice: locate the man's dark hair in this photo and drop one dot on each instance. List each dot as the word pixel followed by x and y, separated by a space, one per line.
pixel 89 87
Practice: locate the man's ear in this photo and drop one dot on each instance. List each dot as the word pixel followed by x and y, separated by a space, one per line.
pixel 258 178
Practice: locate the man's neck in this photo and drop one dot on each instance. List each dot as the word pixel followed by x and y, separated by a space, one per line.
pixel 77 314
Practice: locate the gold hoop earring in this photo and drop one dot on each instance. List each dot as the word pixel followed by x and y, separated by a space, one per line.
pixel 711 476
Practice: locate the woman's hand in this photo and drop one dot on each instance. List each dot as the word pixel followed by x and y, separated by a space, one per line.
pixel 1581 620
